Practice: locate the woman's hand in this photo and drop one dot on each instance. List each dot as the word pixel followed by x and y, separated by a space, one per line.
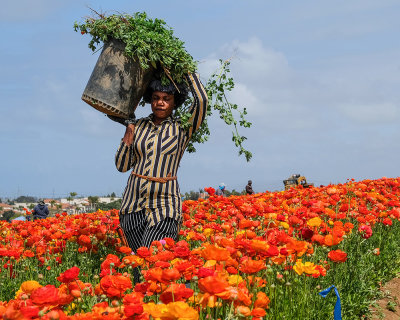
pixel 129 134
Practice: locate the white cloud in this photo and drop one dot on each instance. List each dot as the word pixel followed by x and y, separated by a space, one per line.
pixel 270 88
pixel 242 95
pixel 265 84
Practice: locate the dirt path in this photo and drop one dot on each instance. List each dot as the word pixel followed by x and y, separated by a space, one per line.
pixel 388 307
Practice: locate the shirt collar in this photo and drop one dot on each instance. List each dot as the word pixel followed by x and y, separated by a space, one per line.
pixel 171 118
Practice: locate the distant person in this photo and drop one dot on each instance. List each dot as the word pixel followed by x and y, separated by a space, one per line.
pixel 221 190
pixel 249 188
pixel 40 211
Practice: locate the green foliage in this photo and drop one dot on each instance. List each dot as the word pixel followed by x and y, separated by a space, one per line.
pixel 191 195
pixel 391 306
pixel 234 193
pixel 152 43
pixel 25 199
pixel 108 206
pixel 93 200
pixel 7 215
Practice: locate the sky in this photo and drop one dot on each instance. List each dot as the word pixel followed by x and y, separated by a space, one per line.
pixel 320 81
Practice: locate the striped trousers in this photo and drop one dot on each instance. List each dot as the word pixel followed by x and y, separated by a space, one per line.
pixel 138 233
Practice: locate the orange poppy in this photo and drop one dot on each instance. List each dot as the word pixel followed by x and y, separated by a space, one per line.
pixel 297 247
pixel 243 311
pixel 212 252
pixel 262 300
pixel 252 266
pixel 332 240
pixel 258 312
pixel 170 275
pixel 125 250
pixel 213 284
pixel 133 261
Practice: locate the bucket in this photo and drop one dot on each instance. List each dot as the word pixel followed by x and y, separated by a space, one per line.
pixel 117 83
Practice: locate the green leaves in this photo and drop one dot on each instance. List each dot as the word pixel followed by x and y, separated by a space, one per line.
pixel 152 43
pixel 219 83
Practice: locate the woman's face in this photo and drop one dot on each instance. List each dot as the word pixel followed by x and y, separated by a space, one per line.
pixel 162 104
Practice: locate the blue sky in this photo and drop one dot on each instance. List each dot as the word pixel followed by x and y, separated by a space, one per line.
pixel 320 80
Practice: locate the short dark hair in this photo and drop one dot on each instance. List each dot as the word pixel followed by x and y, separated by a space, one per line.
pixel 156 85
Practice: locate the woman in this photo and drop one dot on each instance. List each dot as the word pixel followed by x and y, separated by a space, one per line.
pixel 153 147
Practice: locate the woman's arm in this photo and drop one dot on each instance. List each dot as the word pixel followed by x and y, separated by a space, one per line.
pixel 129 134
pixel 124 155
pixel 199 107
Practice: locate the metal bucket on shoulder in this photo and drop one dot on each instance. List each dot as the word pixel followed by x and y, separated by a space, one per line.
pixel 117 82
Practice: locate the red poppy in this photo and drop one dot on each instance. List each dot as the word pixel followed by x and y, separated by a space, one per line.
pixel 337 256
pixel 45 296
pixel 205 272
pixel 110 259
pixel 182 251
pixel 306 233
pixel 115 286
pixel 143 252
pixel 28 311
pixel 28 253
pixel 210 190
pixel 84 240
pixel 176 292
pixel 69 275
pixel 365 230
pixel 133 304
pixel 387 222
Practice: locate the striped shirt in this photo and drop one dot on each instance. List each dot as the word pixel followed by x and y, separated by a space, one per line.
pixel 156 151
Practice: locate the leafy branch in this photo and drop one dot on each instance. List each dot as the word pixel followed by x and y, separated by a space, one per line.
pixel 218 84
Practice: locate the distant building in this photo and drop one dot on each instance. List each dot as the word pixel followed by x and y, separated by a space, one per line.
pixel 6 207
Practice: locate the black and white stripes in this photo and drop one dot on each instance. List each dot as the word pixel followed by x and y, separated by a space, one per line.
pixel 139 233
pixel 156 152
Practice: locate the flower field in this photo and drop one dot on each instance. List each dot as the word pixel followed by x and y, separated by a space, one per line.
pixel 263 256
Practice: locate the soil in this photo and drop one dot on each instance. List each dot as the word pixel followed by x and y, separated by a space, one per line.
pixel 388 307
